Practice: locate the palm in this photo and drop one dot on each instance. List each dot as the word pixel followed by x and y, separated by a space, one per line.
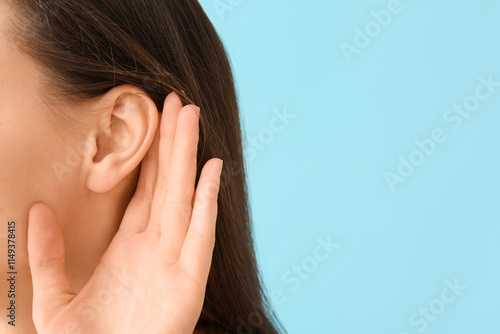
pixel 152 278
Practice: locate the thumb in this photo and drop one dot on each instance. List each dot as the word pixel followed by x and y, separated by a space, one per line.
pixel 51 288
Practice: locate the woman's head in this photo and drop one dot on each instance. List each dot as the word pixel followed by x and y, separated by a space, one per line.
pixel 81 85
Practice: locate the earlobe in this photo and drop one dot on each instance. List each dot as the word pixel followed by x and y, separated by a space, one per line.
pixel 124 131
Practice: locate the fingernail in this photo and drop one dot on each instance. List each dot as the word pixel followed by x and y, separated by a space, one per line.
pixel 221 164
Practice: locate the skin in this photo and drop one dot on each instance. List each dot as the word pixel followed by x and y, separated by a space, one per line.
pixel 79 265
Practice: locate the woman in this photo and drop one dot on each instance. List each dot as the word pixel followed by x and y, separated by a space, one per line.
pixel 115 118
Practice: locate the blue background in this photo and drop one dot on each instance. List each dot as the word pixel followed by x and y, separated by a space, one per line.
pixel 353 118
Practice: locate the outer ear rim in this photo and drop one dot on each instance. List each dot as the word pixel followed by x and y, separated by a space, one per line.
pixel 105 175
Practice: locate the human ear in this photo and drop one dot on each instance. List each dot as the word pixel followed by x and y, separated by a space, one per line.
pixel 124 130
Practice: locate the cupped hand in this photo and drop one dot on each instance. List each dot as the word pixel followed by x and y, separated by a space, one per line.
pixel 153 276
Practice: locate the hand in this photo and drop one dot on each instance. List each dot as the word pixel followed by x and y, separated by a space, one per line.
pixel 153 276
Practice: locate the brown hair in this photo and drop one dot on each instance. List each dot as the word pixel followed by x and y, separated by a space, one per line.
pixel 87 47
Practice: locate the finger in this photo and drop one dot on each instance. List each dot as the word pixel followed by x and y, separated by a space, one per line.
pixel 196 256
pixel 181 180
pixel 168 126
pixel 51 288
pixel 138 211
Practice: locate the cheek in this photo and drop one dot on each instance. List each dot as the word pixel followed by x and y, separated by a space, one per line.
pixel 34 161
pixel 34 158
